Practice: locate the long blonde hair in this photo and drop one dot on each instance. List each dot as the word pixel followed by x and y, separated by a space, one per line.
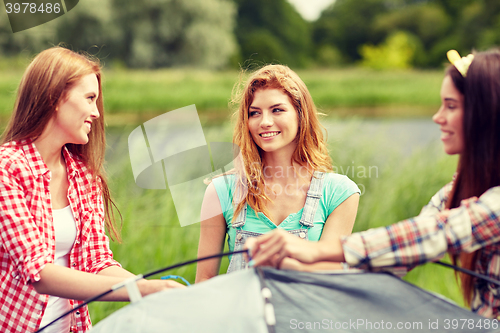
pixel 48 78
pixel 311 148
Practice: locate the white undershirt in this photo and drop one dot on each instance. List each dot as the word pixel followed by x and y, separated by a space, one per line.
pixel 65 234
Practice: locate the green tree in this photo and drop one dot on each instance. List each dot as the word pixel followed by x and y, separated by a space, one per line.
pixel 479 25
pixel 453 8
pixel 436 27
pixel 146 34
pixel 347 24
pixel 396 52
pixel 158 33
pixel 272 31
pixel 27 41
pixel 475 24
pixel 427 22
pixel 90 27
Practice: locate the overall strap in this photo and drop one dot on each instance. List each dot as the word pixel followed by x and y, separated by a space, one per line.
pixel 242 217
pixel 312 200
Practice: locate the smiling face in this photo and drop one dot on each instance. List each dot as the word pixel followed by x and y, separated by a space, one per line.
pixel 273 121
pixel 75 113
pixel 450 117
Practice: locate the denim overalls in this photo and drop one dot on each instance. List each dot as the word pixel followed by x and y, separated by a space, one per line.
pixel 306 221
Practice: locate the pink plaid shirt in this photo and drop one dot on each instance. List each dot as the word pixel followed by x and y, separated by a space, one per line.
pixel 475 224
pixel 27 234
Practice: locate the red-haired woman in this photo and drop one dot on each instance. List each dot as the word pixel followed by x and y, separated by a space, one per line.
pixel 283 178
pixel 463 218
pixel 54 199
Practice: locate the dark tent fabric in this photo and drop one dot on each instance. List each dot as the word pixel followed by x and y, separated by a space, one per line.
pixel 303 302
pixel 367 302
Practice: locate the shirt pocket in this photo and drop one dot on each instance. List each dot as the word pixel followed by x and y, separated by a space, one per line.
pixel 84 224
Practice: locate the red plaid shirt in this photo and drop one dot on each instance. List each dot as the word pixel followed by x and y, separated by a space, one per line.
pixel 474 225
pixel 27 234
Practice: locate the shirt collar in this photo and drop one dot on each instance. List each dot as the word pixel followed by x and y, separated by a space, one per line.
pixel 71 165
pixel 35 161
pixel 38 166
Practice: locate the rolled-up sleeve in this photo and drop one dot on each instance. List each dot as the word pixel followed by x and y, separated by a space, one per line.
pixel 472 225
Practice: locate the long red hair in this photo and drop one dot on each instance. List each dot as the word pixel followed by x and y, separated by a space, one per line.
pixel 311 148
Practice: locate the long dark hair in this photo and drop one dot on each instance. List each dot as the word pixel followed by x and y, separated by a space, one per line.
pixel 479 164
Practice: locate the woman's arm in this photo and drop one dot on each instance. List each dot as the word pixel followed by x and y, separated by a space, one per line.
pixel 68 283
pixel 273 247
pixel 341 221
pixel 472 225
pixel 212 234
pixel 295 265
pixel 116 271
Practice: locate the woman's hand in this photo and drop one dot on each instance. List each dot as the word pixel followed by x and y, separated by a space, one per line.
pixel 152 286
pixel 69 283
pixel 145 286
pixel 270 249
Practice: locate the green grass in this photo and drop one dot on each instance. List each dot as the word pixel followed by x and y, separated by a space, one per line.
pixel 363 88
pixel 132 96
pixel 401 186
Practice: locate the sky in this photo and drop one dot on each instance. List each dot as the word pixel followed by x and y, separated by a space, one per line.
pixel 310 9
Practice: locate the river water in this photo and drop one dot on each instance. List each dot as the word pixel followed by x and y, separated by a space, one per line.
pixel 402 136
pixel 352 143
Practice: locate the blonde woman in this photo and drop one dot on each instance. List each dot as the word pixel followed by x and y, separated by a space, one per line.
pixel 284 179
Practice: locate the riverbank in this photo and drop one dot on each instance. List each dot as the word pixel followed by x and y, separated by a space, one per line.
pixel 339 92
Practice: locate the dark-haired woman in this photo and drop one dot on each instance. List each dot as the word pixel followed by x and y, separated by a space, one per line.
pixel 54 200
pixel 463 218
